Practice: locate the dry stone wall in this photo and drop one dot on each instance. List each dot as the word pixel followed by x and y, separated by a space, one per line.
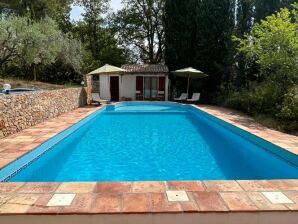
pixel 20 111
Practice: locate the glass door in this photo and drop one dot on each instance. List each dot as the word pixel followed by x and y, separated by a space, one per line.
pixel 147 86
pixel 150 88
pixel 154 88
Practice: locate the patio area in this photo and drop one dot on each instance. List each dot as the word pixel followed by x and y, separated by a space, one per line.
pixel 261 201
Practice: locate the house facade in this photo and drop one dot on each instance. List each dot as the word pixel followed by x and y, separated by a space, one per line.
pixel 138 83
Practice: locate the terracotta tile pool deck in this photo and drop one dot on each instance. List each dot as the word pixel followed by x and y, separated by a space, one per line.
pixel 246 200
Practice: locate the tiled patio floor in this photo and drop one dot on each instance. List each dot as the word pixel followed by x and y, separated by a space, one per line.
pixel 143 197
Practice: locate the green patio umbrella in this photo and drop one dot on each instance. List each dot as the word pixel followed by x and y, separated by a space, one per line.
pixel 190 73
pixel 106 69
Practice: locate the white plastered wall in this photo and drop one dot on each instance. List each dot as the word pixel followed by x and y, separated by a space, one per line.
pixel 127 86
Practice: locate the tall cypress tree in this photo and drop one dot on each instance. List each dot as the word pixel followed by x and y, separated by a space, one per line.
pixel 198 34
pixel 245 10
pixel 180 37
pixel 180 33
pixel 215 26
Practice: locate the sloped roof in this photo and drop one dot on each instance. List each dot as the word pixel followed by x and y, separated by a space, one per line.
pixel 146 68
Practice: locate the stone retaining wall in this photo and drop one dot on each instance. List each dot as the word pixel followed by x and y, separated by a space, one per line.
pixel 21 111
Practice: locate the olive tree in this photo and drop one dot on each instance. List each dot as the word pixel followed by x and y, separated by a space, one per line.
pixel 31 45
pixel 42 42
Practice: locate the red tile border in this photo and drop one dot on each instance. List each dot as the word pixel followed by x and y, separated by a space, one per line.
pixel 32 198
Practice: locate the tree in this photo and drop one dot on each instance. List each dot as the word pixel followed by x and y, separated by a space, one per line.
pixel 93 21
pixel 268 7
pixel 31 45
pixel 140 27
pixel 180 24
pixel 59 10
pixel 10 42
pixel 214 49
pixel 42 43
pixel 273 45
pixel 98 39
pixel 198 34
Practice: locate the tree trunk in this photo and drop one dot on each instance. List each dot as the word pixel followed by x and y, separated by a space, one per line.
pixel 34 73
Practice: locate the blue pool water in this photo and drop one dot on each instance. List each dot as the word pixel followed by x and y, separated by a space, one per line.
pixel 156 141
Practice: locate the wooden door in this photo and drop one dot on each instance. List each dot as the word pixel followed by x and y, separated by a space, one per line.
pixel 162 84
pixel 161 88
pixel 114 88
pixel 139 88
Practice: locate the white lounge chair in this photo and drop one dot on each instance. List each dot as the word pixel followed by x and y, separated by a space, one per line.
pixel 195 98
pixel 96 98
pixel 183 97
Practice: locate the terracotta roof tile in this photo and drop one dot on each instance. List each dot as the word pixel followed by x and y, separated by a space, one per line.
pixel 146 68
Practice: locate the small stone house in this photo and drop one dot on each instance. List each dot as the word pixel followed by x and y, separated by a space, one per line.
pixel 140 82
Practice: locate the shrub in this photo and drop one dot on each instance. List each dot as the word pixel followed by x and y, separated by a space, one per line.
pixel 261 98
pixel 289 107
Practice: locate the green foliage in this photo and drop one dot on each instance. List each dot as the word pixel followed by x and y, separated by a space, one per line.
pixel 273 46
pixel 71 52
pixel 289 106
pixel 97 38
pixel 198 34
pixel 264 8
pixel 261 102
pixel 38 39
pixel 92 21
pixel 139 26
pixel 10 42
pixel 59 10
pixel 41 43
pixel 260 98
pixel 31 45
pixel 180 24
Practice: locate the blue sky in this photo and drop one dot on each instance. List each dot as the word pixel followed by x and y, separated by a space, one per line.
pixel 76 13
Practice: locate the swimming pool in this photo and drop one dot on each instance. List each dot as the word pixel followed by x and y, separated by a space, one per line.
pixel 152 141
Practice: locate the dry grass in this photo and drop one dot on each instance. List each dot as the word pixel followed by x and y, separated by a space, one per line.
pixel 19 83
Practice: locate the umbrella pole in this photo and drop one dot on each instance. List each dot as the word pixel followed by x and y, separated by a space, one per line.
pixel 188 86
